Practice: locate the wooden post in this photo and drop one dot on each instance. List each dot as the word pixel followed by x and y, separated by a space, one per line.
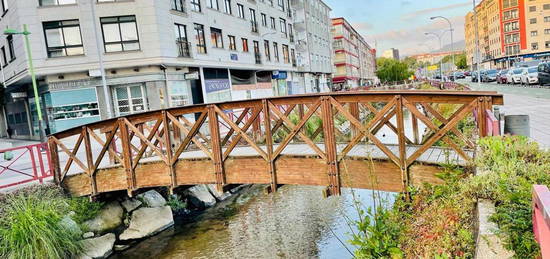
pixel 216 147
pixel 402 143
pixel 112 148
pixel 416 134
pixel 269 145
pixel 330 147
pixel 127 156
pixel 354 110
pixel 54 156
pixel 177 133
pixel 168 140
pixel 481 117
pixel 89 160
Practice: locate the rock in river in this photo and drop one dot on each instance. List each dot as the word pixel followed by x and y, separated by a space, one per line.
pixel 148 221
pixel 200 196
pixel 152 199
pixel 99 247
pixel 131 204
pixel 110 217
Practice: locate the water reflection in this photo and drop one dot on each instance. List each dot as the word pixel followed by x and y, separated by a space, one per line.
pixel 294 222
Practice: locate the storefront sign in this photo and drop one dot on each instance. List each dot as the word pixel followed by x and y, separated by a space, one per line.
pixel 216 85
pixel 19 95
pixel 279 75
pixel 234 57
pixel 192 76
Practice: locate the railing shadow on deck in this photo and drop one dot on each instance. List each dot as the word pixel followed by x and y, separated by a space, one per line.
pixel 269 127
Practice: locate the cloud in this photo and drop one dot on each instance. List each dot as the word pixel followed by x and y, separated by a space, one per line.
pixel 415 14
pixel 412 40
pixel 362 26
pixel 405 3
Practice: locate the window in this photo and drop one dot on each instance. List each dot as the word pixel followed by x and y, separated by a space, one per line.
pixel 534 33
pixel 272 19
pixel 4 57
pixel 264 20
pixel 546 7
pixel 240 8
pixel 120 33
pixel 227 6
pixel 232 44
pixel 276 51
pixel 212 4
pixel 245 44
pixel 286 55
pixel 546 31
pixel 63 38
pixel 196 5
pixel 547 19
pixel 253 20
pixel 130 99
pixel 266 50
pixel 10 47
pixel 181 41
pixel 281 4
pixel 534 46
pixel 178 5
pixel 291 32
pixel 511 26
pixel 282 24
pixel 199 37
pixel 216 37
pixel 509 3
pixel 271 2
pixel 532 8
pixel 532 20
pixel 547 44
pixel 56 2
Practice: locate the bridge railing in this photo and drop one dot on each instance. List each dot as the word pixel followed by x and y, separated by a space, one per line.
pixel 541 218
pixel 330 125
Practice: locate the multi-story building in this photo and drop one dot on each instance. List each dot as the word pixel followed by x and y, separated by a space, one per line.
pixel 391 53
pixel 509 31
pixel 354 60
pixel 312 25
pixel 156 54
pixel 434 57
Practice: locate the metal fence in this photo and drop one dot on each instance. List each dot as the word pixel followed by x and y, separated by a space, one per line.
pixel 26 164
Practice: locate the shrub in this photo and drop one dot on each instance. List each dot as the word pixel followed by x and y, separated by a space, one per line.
pixel 29 226
pixel 83 208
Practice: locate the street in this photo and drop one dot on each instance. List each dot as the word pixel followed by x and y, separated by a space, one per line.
pixel 518 99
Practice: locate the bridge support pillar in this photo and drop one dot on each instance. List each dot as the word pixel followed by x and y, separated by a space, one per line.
pixel 330 148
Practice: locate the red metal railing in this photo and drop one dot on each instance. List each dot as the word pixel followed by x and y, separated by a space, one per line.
pixel 541 218
pixel 27 164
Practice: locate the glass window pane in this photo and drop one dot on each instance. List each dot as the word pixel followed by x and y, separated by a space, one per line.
pixel 72 36
pixel 131 46
pixel 54 37
pixel 75 51
pixel 135 91
pixel 113 47
pixel 129 31
pixel 111 32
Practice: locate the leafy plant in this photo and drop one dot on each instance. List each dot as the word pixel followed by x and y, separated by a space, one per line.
pixel 176 203
pixel 30 226
pixel 83 208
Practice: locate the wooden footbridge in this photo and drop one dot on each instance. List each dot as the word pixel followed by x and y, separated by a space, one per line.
pixel 330 139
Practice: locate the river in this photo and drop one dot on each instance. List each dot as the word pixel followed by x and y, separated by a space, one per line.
pixel 294 222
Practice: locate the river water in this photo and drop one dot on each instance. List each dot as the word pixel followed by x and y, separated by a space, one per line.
pixel 294 222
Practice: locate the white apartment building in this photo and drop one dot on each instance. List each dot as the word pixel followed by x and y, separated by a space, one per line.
pixel 156 54
pixel 312 25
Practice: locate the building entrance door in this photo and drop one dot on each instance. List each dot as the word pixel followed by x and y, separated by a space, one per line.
pixel 130 99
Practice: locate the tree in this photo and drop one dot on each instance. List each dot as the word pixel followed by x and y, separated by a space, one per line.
pixel 390 70
pixel 412 63
pixel 460 61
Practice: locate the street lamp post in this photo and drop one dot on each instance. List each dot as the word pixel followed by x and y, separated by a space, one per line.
pixel 441 60
pixel 26 34
pixel 451 29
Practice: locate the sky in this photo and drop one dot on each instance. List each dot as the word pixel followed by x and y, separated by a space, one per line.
pixel 401 24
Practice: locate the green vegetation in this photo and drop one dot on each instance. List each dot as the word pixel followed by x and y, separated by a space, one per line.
pixel 30 223
pixel 460 61
pixel 391 70
pixel 176 203
pixel 439 220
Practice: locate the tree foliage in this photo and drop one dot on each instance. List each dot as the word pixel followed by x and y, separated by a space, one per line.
pixel 391 70
pixel 460 61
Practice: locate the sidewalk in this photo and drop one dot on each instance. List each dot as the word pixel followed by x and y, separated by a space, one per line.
pixel 9 143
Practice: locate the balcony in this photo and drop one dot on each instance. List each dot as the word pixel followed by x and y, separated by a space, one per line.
pixel 254 26
pixel 291 38
pixel 184 49
pixel 258 58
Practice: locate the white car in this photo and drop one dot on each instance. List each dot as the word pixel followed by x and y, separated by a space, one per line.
pixel 516 76
pixel 509 75
pixel 530 76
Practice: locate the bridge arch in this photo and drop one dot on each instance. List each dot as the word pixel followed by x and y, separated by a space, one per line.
pixel 322 139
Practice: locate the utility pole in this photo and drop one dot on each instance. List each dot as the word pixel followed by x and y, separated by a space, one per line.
pixel 477 46
pixel 106 94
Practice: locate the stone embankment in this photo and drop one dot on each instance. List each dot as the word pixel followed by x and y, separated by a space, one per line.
pixel 125 221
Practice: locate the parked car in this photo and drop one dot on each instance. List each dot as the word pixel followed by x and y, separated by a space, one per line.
pixel 516 76
pixel 529 76
pixel 467 73
pixel 459 75
pixel 544 73
pixel 489 75
pixel 474 76
pixel 501 76
pixel 509 76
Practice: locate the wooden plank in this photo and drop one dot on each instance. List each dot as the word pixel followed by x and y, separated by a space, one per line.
pixel 269 144
pixel 127 157
pixel 213 124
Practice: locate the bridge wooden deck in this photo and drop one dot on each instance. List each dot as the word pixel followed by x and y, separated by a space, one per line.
pixel 326 139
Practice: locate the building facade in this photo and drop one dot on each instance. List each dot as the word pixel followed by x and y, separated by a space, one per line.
pixel 510 31
pixel 391 53
pixel 156 54
pixel 354 59
pixel 313 42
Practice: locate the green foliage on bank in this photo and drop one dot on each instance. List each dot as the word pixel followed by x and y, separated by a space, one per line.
pixel 439 220
pixel 30 223
pixel 391 70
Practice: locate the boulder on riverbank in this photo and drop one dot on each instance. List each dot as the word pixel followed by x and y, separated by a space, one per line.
pixel 147 222
pixel 200 196
pixel 220 196
pixel 99 247
pixel 152 199
pixel 109 218
pixel 131 204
